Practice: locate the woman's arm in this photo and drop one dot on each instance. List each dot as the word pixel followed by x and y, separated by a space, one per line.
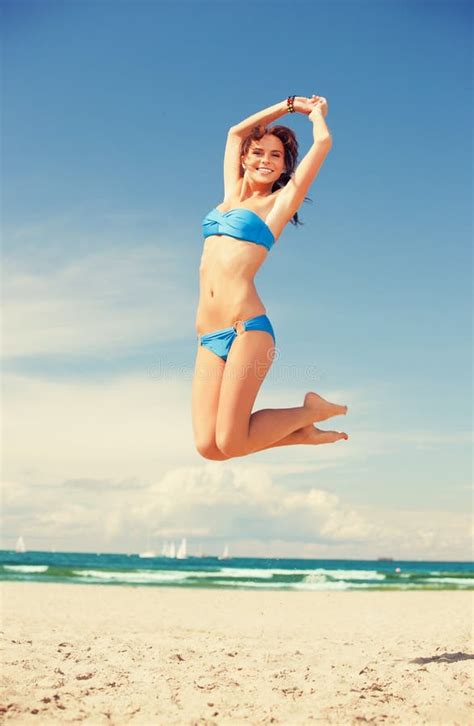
pixel 261 117
pixel 301 104
pixel 317 116
pixel 293 194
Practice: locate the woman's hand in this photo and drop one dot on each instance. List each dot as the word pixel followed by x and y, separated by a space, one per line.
pixel 305 105
pixel 319 105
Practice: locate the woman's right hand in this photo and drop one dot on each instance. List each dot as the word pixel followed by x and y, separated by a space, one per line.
pixel 319 105
pixel 304 105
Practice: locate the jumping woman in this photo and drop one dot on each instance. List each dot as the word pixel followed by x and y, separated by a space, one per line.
pixel 236 341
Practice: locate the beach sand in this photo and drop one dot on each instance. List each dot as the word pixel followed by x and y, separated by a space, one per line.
pixel 147 655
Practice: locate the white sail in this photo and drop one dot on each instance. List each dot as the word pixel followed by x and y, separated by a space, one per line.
pixel 225 555
pixel 181 554
pixel 165 550
pixel 172 550
pixel 20 545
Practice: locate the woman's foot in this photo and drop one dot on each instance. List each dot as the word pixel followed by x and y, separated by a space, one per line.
pixel 312 435
pixel 322 409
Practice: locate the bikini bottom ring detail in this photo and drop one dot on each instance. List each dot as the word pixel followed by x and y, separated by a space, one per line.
pixel 220 341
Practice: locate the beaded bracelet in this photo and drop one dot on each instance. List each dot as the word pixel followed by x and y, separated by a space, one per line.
pixel 289 103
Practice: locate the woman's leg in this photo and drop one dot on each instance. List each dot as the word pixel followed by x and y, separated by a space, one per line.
pixel 238 430
pixel 308 435
pixel 206 386
pixel 207 380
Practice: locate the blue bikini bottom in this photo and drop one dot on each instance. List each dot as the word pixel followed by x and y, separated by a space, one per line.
pixel 220 341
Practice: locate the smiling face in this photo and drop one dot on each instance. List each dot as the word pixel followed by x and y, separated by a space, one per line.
pixel 265 160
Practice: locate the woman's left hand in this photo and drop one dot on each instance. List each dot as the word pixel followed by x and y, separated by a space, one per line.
pixel 305 105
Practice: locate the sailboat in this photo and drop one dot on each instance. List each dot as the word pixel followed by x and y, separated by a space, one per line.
pixel 181 554
pixel 225 555
pixel 20 545
pixel 172 550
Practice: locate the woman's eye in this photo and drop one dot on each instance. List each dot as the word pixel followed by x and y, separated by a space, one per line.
pixel 276 155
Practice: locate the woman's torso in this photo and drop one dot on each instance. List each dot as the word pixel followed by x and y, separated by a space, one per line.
pixel 228 268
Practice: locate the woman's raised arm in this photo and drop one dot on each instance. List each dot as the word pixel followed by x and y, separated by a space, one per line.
pixel 301 104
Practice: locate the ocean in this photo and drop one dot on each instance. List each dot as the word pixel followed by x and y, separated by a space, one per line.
pixel 243 573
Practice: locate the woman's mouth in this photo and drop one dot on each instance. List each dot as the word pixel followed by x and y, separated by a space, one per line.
pixel 265 171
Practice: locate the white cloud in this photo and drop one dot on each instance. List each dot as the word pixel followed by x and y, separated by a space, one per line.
pixel 241 504
pixel 235 499
pixel 132 426
pixel 102 301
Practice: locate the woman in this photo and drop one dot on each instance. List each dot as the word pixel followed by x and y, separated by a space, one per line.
pixel 236 338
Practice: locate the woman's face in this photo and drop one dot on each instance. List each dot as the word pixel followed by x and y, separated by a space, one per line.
pixel 265 154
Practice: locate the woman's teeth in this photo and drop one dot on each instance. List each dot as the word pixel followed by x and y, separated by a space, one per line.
pixel 265 171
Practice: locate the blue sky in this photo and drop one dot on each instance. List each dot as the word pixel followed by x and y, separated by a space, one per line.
pixel 114 124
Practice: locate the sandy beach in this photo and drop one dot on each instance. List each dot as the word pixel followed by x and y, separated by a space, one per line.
pixel 144 655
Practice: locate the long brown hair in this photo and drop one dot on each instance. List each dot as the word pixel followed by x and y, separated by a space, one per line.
pixel 290 144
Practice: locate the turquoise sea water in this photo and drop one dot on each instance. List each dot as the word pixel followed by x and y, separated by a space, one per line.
pixel 235 573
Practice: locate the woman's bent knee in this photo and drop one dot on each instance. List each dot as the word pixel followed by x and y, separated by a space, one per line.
pixel 209 450
pixel 229 446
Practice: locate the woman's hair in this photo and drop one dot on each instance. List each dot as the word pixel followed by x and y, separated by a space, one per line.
pixel 288 139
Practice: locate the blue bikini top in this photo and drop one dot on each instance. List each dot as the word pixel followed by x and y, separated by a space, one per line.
pixel 241 223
